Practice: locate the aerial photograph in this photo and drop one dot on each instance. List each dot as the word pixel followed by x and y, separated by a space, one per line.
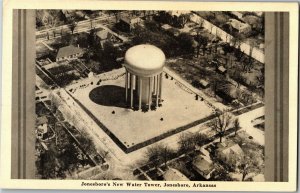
pixel 150 95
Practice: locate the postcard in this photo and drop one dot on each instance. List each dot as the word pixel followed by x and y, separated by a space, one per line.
pixel 149 95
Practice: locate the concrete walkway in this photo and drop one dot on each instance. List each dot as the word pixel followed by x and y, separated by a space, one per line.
pixel 248 126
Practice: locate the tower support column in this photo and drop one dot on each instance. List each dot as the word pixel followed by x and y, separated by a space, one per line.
pixel 160 86
pixel 150 93
pixel 140 85
pixel 131 90
pixel 157 88
pixel 126 86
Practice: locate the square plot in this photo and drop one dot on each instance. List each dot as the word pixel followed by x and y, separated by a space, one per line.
pixel 132 129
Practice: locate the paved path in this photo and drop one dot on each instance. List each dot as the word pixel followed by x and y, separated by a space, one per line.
pixel 247 125
pixel 47 46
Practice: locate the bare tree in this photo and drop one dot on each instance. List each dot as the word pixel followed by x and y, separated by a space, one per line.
pixel 221 123
pixel 248 164
pixel 183 19
pixel 72 25
pixel 236 125
pixel 159 154
pixel 116 13
pixel 188 141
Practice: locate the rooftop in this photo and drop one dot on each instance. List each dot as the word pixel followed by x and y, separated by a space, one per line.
pixel 230 147
pixel 41 120
pixel 174 175
pixel 103 34
pixel 203 164
pixel 144 59
pixel 68 51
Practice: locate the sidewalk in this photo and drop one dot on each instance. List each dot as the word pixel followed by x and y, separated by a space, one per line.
pixel 246 125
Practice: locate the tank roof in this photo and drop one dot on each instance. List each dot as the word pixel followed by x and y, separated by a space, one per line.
pixel 144 60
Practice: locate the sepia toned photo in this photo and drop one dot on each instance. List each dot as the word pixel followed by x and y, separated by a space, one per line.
pixel 138 97
pixel 163 95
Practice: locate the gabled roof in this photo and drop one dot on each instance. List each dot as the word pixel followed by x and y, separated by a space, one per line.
pixel 103 34
pixel 68 51
pixel 204 82
pixel 41 120
pixel 203 164
pixel 166 26
pixel 179 12
pixel 222 69
pixel 174 175
pixel 130 21
pixel 237 24
pixel 230 148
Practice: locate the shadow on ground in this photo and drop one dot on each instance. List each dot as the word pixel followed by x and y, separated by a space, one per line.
pixel 109 95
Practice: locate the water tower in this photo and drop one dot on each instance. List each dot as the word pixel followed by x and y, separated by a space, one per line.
pixel 143 81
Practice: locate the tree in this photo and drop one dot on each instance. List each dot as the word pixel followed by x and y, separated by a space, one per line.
pixel 72 24
pixel 110 54
pixel 220 174
pixel 228 49
pixel 221 123
pixel 69 158
pixel 159 154
pixel 188 141
pixel 202 41
pixel 47 165
pixel 247 164
pixel 86 143
pixel 165 17
pixel 183 19
pixel 116 13
pixel 236 125
pixel 236 41
pixel 186 43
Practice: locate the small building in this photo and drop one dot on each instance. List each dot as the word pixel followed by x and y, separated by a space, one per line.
pixel 203 166
pixel 179 12
pixel 204 83
pixel 42 126
pixel 240 26
pixel 103 34
pixel 228 92
pixel 127 24
pixel 201 83
pixel 237 14
pixel 170 30
pixel 166 27
pixel 174 175
pixel 221 69
pixel 69 52
pixel 229 151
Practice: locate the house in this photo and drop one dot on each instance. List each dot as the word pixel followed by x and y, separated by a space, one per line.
pixel 237 14
pixel 127 24
pixel 203 166
pixel 230 152
pixel 174 175
pixel 169 29
pixel 166 27
pixel 221 69
pixel 239 26
pixel 42 126
pixel 204 83
pixel 179 12
pixel 104 35
pixel 201 83
pixel 69 52
pixel 228 92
